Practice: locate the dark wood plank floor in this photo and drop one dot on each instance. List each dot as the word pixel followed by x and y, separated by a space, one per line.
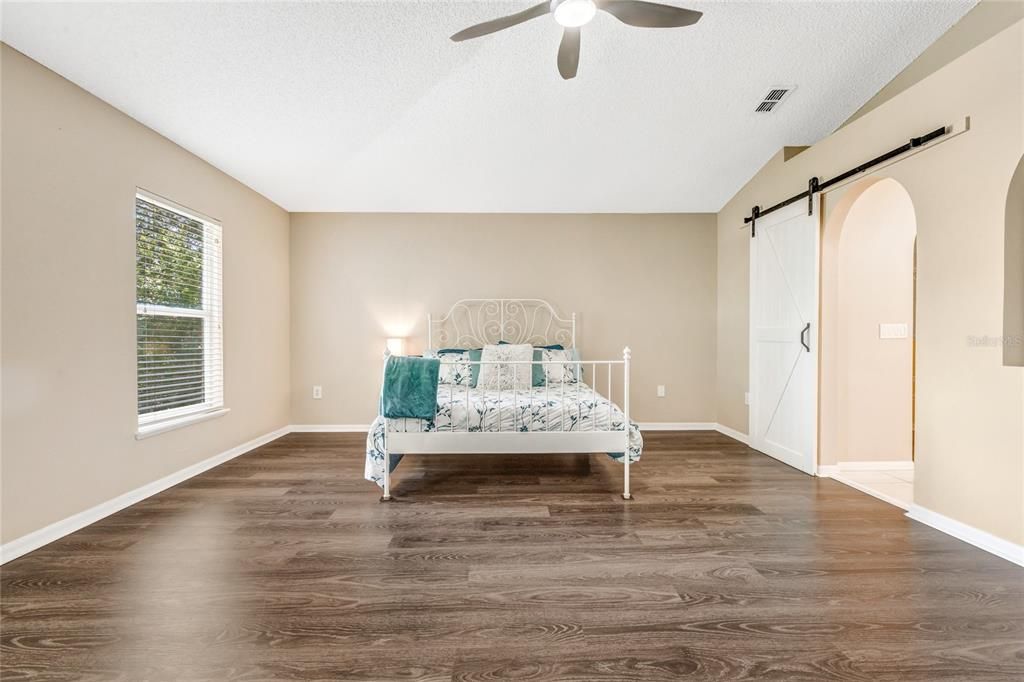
pixel 282 564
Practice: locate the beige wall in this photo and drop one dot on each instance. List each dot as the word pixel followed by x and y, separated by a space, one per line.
pixel 872 273
pixel 643 280
pixel 970 436
pixel 70 166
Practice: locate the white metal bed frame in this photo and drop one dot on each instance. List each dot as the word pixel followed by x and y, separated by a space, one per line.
pixel 473 323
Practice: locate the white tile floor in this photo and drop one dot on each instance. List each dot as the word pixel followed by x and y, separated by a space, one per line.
pixel 894 486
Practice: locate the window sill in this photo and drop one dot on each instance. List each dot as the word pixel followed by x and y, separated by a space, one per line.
pixel 157 428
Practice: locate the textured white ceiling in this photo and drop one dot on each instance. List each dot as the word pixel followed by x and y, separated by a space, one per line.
pixel 367 106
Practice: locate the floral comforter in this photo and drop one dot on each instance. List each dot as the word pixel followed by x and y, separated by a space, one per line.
pixel 572 407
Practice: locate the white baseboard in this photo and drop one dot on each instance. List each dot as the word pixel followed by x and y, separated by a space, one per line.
pixel 990 543
pixel 986 541
pixel 827 470
pixel 677 426
pixel 15 548
pixel 866 489
pixel 733 433
pixel 896 465
pixel 36 539
pixel 329 428
pixel 55 531
pixel 694 426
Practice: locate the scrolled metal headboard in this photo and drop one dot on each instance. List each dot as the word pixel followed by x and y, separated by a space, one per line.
pixel 476 322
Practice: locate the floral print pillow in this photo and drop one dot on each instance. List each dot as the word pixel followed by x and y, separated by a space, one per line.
pixel 455 368
pixel 559 373
pixel 506 376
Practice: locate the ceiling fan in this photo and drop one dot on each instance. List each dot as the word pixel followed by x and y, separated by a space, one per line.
pixel 573 14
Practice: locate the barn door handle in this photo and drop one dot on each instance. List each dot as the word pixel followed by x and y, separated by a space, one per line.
pixel 803 333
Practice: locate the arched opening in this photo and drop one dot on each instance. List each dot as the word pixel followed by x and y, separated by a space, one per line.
pixel 1013 272
pixel 867 366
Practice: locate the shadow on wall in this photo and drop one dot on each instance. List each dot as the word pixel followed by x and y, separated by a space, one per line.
pixel 867 282
pixel 1013 272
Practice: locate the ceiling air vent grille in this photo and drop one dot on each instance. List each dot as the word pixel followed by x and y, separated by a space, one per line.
pixel 773 99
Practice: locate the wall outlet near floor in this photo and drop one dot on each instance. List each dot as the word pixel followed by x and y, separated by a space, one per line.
pixel 318 392
pixel 746 398
pixel 661 391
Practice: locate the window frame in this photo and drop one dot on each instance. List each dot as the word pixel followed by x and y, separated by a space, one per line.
pixel 212 314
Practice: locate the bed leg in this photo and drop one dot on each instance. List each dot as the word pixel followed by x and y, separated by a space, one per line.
pixel 386 497
pixel 627 355
pixel 625 479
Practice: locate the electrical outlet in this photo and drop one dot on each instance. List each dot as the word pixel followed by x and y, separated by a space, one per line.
pixel 746 398
pixel 318 392
pixel 661 391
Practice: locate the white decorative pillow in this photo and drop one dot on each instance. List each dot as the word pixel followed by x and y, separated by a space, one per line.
pixel 502 376
pixel 559 374
pixel 455 368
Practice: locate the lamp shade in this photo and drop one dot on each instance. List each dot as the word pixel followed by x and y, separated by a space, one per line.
pixel 396 345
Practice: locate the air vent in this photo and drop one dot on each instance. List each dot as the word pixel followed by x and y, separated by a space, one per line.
pixel 773 99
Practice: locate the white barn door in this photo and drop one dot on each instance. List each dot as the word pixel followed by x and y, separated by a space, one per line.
pixel 783 336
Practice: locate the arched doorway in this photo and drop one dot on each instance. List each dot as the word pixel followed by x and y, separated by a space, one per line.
pixel 867 349
pixel 1013 272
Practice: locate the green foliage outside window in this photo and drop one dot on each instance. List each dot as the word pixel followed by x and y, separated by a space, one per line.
pixel 169 272
pixel 168 257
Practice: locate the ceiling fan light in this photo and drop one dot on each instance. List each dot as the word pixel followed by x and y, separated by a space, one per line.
pixel 575 13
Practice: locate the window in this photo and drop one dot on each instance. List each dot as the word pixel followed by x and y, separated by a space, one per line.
pixel 178 314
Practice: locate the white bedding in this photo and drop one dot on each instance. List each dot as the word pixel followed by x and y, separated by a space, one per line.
pixel 559 407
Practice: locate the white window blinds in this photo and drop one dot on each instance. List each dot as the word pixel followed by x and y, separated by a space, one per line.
pixel 178 312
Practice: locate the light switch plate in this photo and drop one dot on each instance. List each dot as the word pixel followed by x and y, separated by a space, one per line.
pixel 661 391
pixel 893 330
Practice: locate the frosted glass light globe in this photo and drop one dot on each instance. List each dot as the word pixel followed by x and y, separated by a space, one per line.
pixel 575 13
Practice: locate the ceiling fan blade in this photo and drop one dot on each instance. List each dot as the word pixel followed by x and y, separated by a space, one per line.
pixel 649 14
pixel 495 25
pixel 569 53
